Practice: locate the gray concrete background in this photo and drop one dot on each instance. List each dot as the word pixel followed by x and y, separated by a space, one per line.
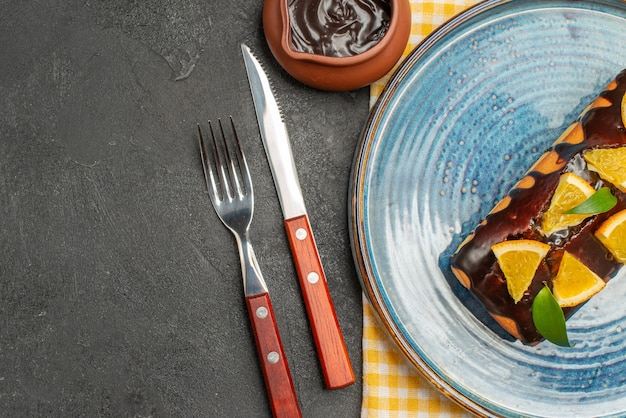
pixel 120 290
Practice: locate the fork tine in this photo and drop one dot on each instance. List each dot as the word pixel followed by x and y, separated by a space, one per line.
pixel 233 186
pixel 207 166
pixel 225 171
pixel 241 160
pixel 227 176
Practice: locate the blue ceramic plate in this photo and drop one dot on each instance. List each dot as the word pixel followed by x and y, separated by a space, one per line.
pixel 459 123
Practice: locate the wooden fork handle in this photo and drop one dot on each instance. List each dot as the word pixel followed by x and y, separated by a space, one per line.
pixel 278 382
pixel 331 347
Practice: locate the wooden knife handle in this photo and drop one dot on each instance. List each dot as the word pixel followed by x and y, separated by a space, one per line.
pixel 278 382
pixel 329 341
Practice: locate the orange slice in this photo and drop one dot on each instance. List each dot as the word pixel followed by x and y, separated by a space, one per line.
pixel 571 191
pixel 609 163
pixel 518 260
pixel 575 283
pixel 612 234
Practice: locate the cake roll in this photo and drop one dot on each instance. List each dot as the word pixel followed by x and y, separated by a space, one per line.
pixel 519 216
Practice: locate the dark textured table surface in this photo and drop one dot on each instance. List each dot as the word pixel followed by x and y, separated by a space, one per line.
pixel 120 290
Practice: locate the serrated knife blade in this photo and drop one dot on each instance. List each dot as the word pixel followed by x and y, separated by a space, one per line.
pixel 329 341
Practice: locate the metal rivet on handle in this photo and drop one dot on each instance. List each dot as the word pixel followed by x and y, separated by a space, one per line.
pixel 273 357
pixel 313 277
pixel 261 312
pixel 301 233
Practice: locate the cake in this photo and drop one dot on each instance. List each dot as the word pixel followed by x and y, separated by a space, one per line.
pixel 520 214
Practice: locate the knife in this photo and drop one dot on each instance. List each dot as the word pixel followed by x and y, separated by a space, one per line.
pixel 331 347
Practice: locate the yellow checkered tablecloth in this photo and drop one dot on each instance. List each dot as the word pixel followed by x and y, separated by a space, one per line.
pixel 391 385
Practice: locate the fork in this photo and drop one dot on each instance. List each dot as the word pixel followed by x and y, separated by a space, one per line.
pixel 230 189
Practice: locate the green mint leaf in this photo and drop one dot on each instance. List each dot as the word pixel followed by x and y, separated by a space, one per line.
pixel 549 319
pixel 599 202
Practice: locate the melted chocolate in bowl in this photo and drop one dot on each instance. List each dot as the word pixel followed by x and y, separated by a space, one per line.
pixel 337 28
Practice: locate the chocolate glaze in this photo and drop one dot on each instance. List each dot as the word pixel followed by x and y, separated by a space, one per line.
pixel 602 127
pixel 337 28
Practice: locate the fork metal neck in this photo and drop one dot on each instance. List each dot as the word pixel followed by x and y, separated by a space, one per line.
pixel 253 282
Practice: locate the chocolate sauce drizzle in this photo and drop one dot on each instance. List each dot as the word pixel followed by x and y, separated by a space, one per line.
pixel 337 28
pixel 602 127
